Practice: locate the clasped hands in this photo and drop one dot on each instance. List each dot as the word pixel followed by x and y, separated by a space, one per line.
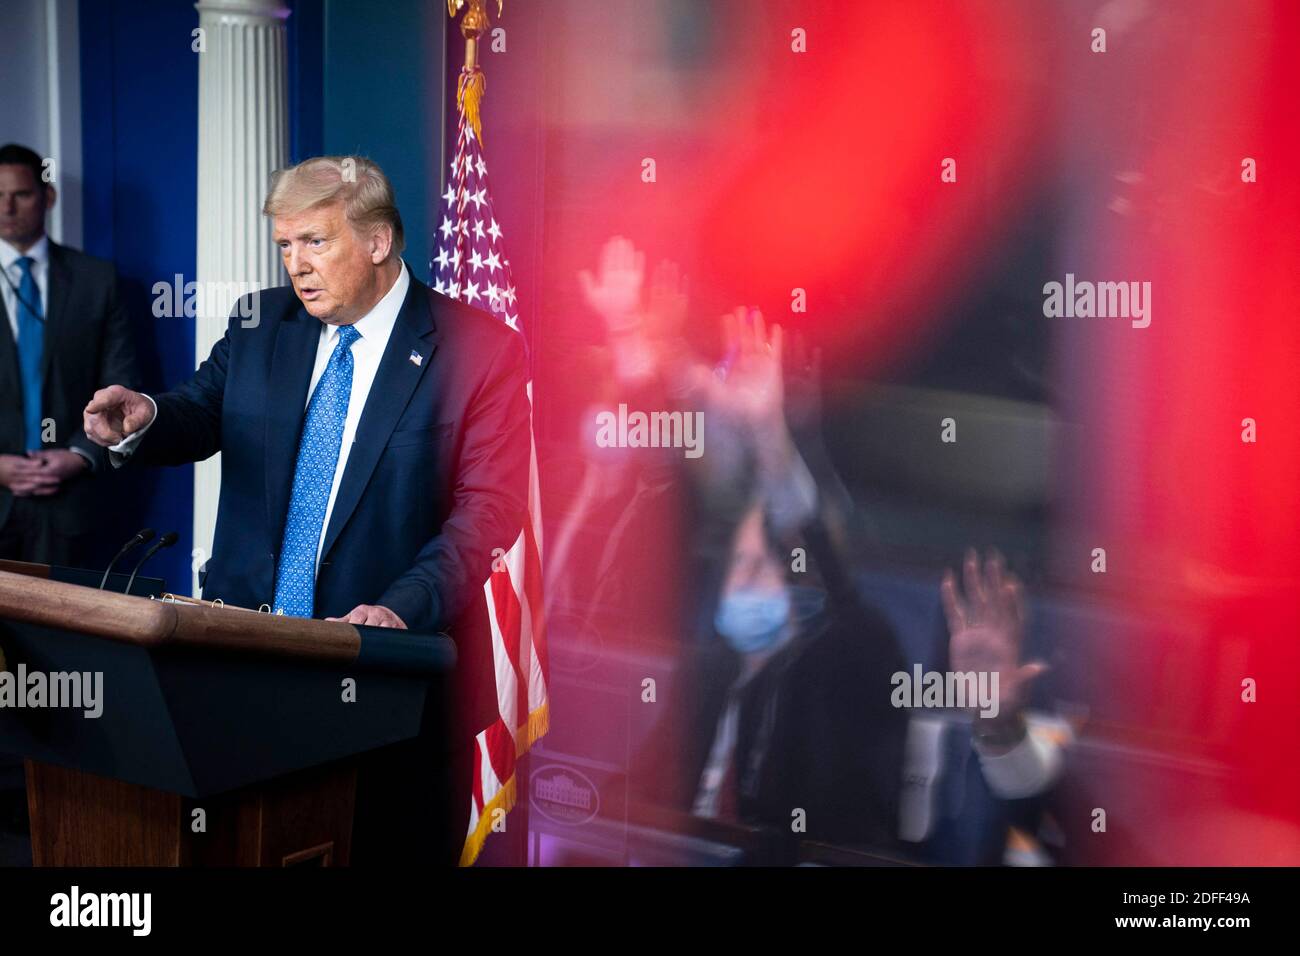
pixel 39 473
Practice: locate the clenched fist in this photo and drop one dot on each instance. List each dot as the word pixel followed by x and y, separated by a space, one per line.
pixel 114 414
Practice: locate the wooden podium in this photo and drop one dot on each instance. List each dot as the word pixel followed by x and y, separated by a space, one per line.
pixel 227 736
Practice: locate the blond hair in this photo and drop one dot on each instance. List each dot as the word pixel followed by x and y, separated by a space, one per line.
pixel 358 183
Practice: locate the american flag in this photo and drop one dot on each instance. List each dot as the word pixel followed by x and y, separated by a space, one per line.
pixel 471 265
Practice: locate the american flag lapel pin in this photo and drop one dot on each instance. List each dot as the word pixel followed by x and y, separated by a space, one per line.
pixel 416 357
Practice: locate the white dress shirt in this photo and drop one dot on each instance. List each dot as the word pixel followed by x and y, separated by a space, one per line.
pixel 9 256
pixel 375 328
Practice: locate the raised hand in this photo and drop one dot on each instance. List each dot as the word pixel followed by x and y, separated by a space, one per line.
pixel 986 628
pixel 115 413
pixel 668 300
pixel 749 381
pixel 615 295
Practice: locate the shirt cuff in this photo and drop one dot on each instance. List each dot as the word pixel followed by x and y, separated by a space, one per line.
pixel 119 453
pixel 1031 766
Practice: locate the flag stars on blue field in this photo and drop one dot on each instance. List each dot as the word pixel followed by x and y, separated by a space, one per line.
pixel 470 240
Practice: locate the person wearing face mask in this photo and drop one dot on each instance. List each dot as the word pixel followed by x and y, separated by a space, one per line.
pixel 789 724
pixel 753 619
pixel 803 738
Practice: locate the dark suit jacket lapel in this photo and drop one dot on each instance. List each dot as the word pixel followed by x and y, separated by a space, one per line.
pixel 395 381
pixel 11 401
pixel 9 372
pixel 286 403
pixel 56 309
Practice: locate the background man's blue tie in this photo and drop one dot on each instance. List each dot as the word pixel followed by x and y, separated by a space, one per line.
pixel 313 476
pixel 31 348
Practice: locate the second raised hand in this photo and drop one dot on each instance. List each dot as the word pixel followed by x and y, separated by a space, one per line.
pixel 615 295
pixel 751 381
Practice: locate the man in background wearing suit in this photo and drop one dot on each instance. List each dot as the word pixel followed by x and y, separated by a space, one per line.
pixel 374 441
pixel 63 334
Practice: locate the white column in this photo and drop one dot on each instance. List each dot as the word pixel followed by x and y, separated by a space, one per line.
pixel 243 138
pixel 64 57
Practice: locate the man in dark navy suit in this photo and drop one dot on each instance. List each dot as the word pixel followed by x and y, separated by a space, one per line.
pixel 374 435
pixel 63 334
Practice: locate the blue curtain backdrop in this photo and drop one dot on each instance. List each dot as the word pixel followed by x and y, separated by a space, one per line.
pixel 382 98
pixel 139 90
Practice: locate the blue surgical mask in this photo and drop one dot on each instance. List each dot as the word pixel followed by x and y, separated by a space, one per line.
pixel 751 620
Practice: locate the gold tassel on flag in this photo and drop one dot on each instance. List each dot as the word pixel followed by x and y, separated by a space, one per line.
pixel 473 82
pixel 469 93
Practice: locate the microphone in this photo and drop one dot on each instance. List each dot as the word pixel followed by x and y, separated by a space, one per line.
pixel 166 541
pixel 140 537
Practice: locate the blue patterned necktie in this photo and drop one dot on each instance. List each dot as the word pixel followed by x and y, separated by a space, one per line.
pixel 31 347
pixel 313 476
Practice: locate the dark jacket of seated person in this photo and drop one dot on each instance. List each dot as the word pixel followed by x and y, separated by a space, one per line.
pixel 788 723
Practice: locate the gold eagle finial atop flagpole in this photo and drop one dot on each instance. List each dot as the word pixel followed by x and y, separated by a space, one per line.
pixel 473 84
